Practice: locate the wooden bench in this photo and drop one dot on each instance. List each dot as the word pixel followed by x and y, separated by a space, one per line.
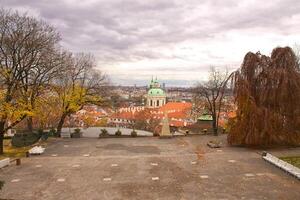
pixel 17 160
pixel 4 162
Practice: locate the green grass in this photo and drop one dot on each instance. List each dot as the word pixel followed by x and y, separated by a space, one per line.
pixel 292 160
pixel 13 152
pixel 18 152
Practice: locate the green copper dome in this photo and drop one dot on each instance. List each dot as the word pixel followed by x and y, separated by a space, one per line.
pixel 156 92
pixel 205 117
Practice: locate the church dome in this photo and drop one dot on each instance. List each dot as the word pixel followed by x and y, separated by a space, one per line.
pixel 156 92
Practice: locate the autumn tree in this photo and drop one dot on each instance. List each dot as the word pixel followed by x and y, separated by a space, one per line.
pixel 25 47
pixel 144 121
pixel 38 82
pixel 267 94
pixel 210 94
pixel 46 111
pixel 81 84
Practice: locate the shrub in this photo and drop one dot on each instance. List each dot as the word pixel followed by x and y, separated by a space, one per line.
pixel 40 131
pixel 103 133
pixel 44 135
pixel 118 133
pixel 53 132
pixel 76 133
pixel 7 137
pixel 133 133
pixel 77 130
pixel 1 184
pixel 26 139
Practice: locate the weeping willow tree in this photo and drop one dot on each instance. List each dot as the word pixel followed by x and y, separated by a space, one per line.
pixel 267 94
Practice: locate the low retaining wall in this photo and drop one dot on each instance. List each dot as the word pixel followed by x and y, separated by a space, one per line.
pixel 287 167
pixel 95 131
pixel 65 134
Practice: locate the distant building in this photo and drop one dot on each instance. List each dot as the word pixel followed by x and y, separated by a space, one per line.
pixel 156 96
pixel 179 114
pixel 89 115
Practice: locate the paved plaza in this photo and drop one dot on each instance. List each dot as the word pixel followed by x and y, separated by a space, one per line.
pixel 182 168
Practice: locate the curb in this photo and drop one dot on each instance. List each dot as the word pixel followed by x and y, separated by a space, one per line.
pixel 287 167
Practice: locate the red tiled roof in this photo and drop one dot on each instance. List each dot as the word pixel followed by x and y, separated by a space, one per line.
pixel 123 115
pixel 176 106
pixel 174 110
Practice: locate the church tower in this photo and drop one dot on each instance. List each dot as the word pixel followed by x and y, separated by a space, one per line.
pixel 156 96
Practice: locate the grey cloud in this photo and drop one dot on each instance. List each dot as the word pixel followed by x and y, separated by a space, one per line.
pixel 131 30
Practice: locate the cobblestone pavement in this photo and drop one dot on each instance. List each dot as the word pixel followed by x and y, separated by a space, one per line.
pixel 182 168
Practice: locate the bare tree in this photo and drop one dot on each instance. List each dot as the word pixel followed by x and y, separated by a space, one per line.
pixel 24 43
pixel 212 93
pixel 81 84
pixel 38 81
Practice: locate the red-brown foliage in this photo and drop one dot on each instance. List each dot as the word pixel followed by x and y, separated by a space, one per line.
pixel 267 93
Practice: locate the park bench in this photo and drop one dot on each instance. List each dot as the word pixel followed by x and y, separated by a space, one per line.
pixel 5 162
pixel 17 160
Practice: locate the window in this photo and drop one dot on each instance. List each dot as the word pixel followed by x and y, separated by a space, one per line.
pixel 150 102
pixel 157 103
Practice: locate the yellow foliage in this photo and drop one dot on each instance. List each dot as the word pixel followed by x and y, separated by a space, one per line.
pixel 75 97
pixel 102 122
pixel 11 152
pixel 14 110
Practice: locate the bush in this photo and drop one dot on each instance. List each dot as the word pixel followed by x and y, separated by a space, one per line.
pixel 77 130
pixel 7 137
pixel 103 133
pixel 118 133
pixel 76 133
pixel 133 133
pixel 1 184
pixel 44 135
pixel 53 132
pixel 40 131
pixel 25 139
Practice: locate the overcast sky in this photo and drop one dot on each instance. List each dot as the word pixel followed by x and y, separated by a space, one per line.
pixel 175 40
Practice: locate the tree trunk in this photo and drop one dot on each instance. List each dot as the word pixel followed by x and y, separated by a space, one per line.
pixel 214 125
pixel 30 124
pixel 61 123
pixel 2 126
